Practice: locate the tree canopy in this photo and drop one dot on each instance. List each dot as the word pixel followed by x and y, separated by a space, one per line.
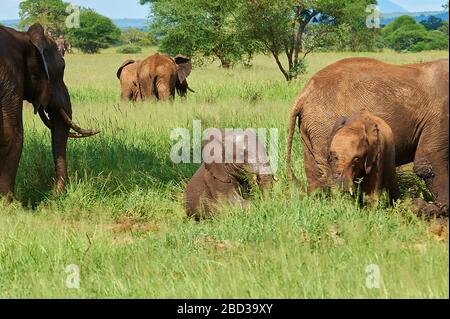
pixel 405 34
pixel 50 13
pixel 234 30
pixel 204 29
pixel 96 32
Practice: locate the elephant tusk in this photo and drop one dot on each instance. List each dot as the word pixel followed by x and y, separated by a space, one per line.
pixel 44 118
pixel 81 132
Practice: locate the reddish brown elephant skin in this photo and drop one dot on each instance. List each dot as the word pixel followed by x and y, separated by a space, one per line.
pixel 214 182
pixel 362 147
pixel 31 69
pixel 127 74
pixel 160 76
pixel 412 99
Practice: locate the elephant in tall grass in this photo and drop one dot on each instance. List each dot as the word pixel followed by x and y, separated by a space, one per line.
pixel 32 69
pixel 157 77
pixel 234 163
pixel 412 99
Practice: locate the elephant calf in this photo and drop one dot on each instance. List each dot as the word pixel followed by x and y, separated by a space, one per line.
pixel 362 146
pixel 127 74
pixel 233 163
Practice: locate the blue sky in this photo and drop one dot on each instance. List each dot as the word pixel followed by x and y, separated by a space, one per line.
pixel 9 9
pixel 420 5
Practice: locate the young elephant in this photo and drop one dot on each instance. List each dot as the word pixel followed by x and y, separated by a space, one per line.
pixel 362 146
pixel 127 74
pixel 233 163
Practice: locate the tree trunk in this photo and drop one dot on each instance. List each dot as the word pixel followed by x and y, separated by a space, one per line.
pixel 224 63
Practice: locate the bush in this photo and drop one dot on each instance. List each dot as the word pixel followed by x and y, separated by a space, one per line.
pixel 137 37
pixel 96 32
pixel 403 35
pixel 129 49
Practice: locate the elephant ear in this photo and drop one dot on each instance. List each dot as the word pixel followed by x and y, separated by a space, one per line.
pixel 340 123
pixel 184 67
pixel 373 139
pixel 124 64
pixel 38 39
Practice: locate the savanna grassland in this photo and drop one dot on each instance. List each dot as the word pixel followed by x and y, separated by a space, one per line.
pixel 122 220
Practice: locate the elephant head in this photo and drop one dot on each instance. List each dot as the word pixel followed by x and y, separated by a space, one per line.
pixel 354 149
pixel 61 44
pixel 238 154
pixel 184 68
pixel 44 87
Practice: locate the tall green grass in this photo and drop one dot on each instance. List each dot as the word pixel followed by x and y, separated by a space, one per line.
pixel 122 219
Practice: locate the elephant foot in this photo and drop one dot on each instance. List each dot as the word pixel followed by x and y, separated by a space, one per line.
pixel 430 211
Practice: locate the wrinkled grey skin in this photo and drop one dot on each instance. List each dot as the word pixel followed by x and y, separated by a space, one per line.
pixel 230 175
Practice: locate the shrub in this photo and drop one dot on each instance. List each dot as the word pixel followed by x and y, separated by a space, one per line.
pixel 129 49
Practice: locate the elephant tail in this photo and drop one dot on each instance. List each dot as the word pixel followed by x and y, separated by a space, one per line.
pixel 295 113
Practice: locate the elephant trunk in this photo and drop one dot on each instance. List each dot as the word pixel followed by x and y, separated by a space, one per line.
pixel 60 134
pixel 265 182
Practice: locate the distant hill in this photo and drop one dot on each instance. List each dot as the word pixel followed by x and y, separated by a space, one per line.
pixel 141 24
pixel 10 23
pixel 385 6
pixel 387 18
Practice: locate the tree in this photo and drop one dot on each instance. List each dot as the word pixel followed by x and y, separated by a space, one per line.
pixel 432 23
pixel 404 34
pixel 50 13
pixel 204 29
pixel 96 32
pixel 294 28
pixel 404 21
pixel 444 27
pixel 137 37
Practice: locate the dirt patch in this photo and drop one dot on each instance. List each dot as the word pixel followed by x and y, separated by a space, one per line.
pixel 335 235
pixel 219 245
pixel 439 230
pixel 130 225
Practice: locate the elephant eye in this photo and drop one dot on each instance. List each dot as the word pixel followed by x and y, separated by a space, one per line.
pixel 332 157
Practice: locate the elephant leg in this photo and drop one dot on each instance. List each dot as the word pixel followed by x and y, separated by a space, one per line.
pixel 11 144
pixel 431 164
pixel 126 95
pixel 163 89
pixel 313 174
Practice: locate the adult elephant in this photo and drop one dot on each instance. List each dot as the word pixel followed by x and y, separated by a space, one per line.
pixel 32 69
pixel 157 77
pixel 413 99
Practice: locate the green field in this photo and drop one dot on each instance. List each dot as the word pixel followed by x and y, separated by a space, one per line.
pixel 122 220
